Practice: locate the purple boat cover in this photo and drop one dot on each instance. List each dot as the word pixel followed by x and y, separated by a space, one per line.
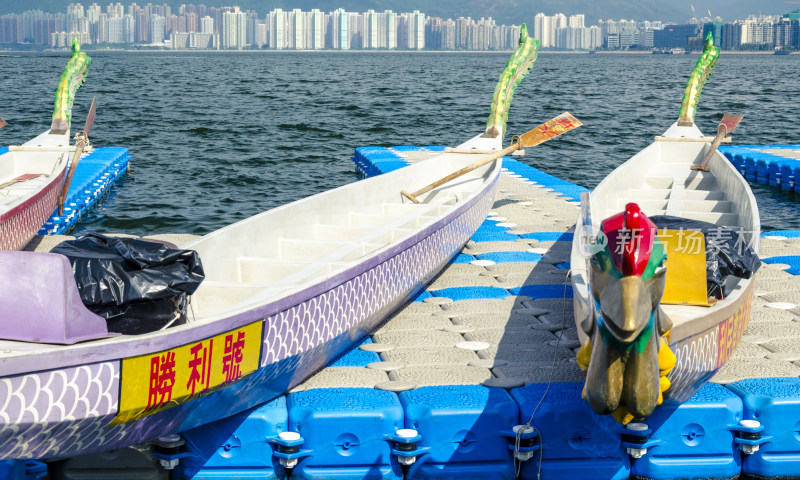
pixel 39 301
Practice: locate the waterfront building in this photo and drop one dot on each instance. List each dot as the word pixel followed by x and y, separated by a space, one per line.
pixel 674 36
pixel 207 25
pixel 715 29
pixel 440 34
pixel 115 10
pixel 128 28
pixel 646 38
pixel 787 32
pixel 416 30
pixel 234 29
pixel 93 12
pixel 102 28
pixel 11 29
pixel 595 37
pixel 194 40
pixel 612 40
pixel 142 33
pixel 260 37
pixel 192 21
pixel 276 20
pixel 461 31
pixel 157 29
pixel 116 31
pixel 336 36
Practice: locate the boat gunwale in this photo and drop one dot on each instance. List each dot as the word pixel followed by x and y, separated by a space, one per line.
pixel 108 349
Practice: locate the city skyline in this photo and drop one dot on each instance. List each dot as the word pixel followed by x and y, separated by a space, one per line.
pixel 193 26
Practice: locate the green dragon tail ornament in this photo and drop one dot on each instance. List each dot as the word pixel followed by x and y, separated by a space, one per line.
pixel 702 70
pixel 516 68
pixel 71 78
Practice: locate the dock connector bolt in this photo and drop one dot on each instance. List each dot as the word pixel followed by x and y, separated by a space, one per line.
pixel 167 449
pixel 405 446
pixel 635 439
pixel 748 436
pixel 523 441
pixel 287 449
pixel 528 442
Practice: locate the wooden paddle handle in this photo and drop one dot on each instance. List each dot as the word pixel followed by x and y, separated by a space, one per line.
pixel 81 141
pixel 413 196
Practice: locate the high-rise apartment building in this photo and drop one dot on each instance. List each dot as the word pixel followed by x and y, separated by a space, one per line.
pixel 207 25
pixel 234 29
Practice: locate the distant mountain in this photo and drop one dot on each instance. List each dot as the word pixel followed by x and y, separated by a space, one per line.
pixel 503 11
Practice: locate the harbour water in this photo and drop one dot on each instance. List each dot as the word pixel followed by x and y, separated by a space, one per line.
pixel 216 138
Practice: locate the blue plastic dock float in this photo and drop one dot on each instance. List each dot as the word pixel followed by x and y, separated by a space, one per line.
pixel 693 440
pixel 96 172
pixel 767 164
pixel 237 446
pixel 346 432
pixel 775 404
pixel 462 429
pixel 576 443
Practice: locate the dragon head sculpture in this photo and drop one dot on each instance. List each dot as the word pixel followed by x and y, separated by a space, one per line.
pixel 625 375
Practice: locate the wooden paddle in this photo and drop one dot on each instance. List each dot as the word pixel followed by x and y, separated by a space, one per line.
pixel 81 141
pixel 2 122
pixel 727 125
pixel 544 132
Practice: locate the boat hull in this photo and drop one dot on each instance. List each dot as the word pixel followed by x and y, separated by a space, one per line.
pixel 20 224
pixel 701 355
pixel 100 406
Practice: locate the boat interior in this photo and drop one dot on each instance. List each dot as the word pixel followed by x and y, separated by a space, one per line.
pixel 25 169
pixel 313 239
pixel 660 181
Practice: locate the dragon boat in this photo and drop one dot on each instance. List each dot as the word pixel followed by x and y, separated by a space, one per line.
pixel 32 174
pixel 285 292
pixel 653 324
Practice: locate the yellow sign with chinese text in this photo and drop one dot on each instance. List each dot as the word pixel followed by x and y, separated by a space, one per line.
pixel 154 382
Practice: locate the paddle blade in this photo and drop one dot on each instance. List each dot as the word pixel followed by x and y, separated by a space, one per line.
pixel 729 123
pixel 87 127
pixel 2 122
pixel 550 129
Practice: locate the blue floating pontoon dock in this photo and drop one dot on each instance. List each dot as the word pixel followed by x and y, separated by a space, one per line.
pixel 374 413
pixel 96 172
pixel 466 431
pixel 772 165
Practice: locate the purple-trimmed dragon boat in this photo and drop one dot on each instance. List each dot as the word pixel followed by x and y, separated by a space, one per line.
pixel 32 175
pixel 285 292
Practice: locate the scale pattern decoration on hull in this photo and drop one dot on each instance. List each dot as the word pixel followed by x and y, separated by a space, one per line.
pixel 69 411
pixel 700 356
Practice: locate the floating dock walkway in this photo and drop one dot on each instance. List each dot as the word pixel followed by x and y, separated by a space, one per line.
pixel 97 171
pixel 773 165
pixel 437 391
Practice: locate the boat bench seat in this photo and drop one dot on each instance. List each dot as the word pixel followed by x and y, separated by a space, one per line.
pixel 296 260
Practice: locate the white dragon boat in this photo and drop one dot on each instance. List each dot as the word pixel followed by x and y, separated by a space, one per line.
pixel 285 292
pixel 640 348
pixel 32 175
